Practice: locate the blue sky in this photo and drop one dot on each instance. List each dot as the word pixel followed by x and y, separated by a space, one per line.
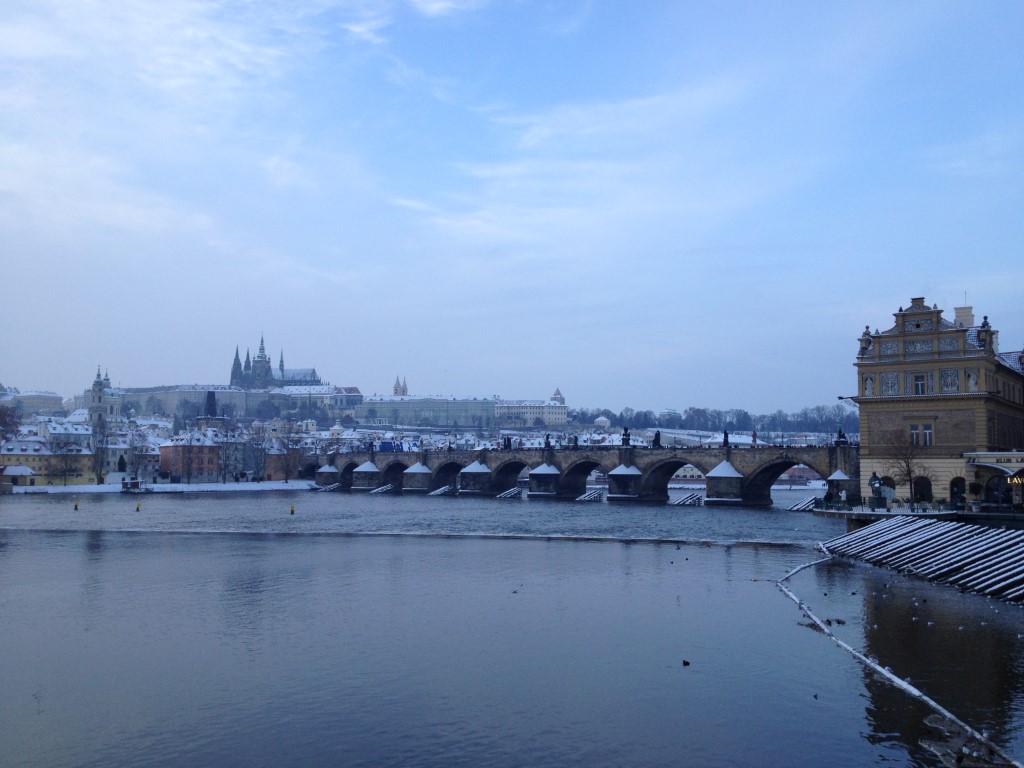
pixel 657 204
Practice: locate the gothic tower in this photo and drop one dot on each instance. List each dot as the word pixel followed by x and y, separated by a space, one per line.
pixel 261 373
pixel 236 370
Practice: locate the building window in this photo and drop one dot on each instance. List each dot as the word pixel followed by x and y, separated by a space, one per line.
pixel 921 435
pixel 919 383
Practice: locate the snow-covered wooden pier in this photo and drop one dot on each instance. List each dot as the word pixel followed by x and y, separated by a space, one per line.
pixel 689 500
pixel 976 558
pixel 804 505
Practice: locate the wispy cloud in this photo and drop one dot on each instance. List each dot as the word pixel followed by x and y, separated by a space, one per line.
pixel 580 125
pixel 993 152
pixel 446 7
pixel 54 188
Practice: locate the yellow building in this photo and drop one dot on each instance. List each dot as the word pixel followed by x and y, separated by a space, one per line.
pixel 930 391
pixel 66 465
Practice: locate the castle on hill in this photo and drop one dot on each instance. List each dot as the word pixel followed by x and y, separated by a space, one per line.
pixel 258 373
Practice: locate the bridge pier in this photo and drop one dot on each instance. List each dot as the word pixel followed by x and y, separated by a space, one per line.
pixel 544 482
pixel 625 482
pixel 416 479
pixel 366 476
pixel 475 480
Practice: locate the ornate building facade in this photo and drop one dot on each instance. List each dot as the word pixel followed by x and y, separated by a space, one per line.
pixel 931 393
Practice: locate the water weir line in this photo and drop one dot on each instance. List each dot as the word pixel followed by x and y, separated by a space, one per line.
pixel 882 671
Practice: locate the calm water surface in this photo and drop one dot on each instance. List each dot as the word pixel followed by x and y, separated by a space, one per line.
pixel 224 630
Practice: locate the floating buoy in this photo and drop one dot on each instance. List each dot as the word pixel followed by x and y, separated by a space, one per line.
pixel 293 509
pixel 76 505
pixel 138 506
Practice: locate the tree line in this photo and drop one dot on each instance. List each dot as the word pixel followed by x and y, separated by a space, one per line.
pixel 820 418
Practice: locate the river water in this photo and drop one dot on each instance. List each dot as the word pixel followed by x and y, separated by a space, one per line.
pixel 226 630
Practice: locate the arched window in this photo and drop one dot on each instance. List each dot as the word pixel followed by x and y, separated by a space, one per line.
pixel 997 490
pixel 922 489
pixel 957 489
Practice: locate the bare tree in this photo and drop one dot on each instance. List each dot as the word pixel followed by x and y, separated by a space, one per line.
pixel 65 458
pixel 256 450
pixel 903 463
pixel 8 421
pixel 100 440
pixel 137 445
pixel 291 443
pixel 229 458
pixel 188 442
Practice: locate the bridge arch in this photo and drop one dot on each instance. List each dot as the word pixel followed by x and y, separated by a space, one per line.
pixel 573 482
pixel 345 473
pixel 506 474
pixel 446 473
pixel 393 473
pixel 658 475
pixel 758 487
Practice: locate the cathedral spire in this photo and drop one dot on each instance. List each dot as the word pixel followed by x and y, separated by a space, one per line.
pixel 236 370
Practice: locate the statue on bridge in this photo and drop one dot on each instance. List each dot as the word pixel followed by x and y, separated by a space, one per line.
pixel 875 483
pixel 656 443
pixel 625 435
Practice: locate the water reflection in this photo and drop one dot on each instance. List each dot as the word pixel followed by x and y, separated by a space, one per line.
pixel 961 650
pixel 94 545
pixel 955 648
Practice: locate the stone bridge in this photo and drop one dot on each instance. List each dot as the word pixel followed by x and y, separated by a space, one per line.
pixel 635 474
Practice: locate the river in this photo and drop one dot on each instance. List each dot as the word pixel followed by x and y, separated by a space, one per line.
pixel 226 629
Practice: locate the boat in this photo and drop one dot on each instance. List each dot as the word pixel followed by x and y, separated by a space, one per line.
pixel 134 485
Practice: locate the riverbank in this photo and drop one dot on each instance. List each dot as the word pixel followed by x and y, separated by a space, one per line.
pixel 265 485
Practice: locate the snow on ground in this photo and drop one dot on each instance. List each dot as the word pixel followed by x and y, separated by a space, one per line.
pixel 266 485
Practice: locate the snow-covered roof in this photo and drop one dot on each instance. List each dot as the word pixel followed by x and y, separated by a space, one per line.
pixel 367 466
pixel 622 469
pixel 295 390
pixel 190 438
pixel 1012 360
pixel 545 469
pixel 725 469
pixel 18 470
pixel 417 469
pixel 27 446
pixel 64 428
pixel 839 475
pixel 477 467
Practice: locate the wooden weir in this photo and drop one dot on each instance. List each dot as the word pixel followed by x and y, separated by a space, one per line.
pixel 689 500
pixel 976 558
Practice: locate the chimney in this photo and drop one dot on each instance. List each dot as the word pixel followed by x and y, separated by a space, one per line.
pixel 964 317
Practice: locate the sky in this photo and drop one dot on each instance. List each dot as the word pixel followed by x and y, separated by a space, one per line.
pixel 648 205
